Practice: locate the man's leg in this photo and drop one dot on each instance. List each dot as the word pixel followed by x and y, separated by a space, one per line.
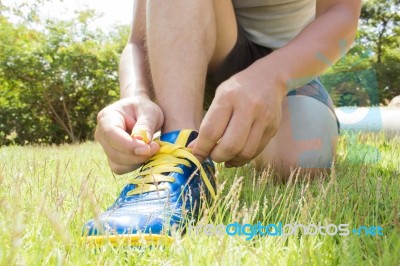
pixel 306 138
pixel 184 38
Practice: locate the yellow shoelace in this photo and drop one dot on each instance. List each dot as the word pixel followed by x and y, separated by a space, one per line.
pixel 166 160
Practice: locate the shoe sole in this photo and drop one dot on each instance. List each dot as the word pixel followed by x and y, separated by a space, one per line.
pixel 128 239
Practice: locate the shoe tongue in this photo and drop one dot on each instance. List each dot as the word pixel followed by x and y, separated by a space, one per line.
pixel 179 137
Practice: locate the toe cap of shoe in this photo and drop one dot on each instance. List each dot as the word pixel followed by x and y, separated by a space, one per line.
pixel 118 223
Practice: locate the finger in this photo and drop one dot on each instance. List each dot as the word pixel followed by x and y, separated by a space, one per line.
pixel 112 131
pixel 154 148
pixel 149 147
pixel 191 144
pixel 251 147
pixel 121 158
pixel 120 169
pixel 233 140
pixel 211 130
pixel 265 140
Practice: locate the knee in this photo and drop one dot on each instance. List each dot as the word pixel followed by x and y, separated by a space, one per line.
pixel 286 169
pixel 295 159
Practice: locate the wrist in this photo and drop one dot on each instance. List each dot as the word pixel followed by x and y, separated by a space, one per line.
pixel 272 76
pixel 285 69
pixel 130 91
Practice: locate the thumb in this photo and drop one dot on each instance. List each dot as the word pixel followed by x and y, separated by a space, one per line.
pixel 145 127
pixel 143 131
pixel 192 144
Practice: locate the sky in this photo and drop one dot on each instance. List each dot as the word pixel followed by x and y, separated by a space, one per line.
pixel 115 11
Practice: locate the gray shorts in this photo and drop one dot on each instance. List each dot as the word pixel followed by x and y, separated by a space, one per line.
pixel 243 54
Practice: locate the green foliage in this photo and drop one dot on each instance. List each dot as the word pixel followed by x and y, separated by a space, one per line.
pixel 369 74
pixel 352 81
pixel 54 80
pixel 389 74
pixel 56 75
pixel 379 21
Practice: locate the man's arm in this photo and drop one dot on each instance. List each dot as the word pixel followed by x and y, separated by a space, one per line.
pixel 135 113
pixel 328 36
pixel 247 108
pixel 134 77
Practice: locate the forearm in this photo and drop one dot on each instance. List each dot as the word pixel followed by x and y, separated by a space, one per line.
pixel 308 55
pixel 134 77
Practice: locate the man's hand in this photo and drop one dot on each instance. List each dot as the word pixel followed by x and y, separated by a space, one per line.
pixel 114 126
pixel 244 115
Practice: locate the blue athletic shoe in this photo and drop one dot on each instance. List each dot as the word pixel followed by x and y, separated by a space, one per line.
pixel 164 188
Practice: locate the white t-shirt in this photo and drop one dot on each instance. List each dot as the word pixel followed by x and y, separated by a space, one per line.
pixel 273 23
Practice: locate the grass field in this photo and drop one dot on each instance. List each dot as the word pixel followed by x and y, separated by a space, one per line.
pixel 48 193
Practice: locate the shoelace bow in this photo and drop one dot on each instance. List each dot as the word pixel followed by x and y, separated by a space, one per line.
pixel 166 160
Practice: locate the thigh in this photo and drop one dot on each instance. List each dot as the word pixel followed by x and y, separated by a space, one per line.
pixel 306 138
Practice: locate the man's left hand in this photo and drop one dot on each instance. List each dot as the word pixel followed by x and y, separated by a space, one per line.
pixel 243 117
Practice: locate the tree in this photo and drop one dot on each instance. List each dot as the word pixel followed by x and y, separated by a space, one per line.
pixel 369 74
pixel 54 81
pixel 380 19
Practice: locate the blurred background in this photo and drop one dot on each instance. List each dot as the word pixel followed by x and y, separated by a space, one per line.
pixel 59 65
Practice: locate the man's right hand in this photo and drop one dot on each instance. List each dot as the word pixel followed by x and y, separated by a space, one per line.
pixel 116 122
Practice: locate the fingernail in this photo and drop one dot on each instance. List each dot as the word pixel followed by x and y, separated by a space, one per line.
pixel 191 144
pixel 142 150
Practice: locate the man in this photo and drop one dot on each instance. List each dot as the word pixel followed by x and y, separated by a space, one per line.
pixel 260 58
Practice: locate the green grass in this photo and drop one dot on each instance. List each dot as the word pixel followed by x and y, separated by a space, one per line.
pixel 48 193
